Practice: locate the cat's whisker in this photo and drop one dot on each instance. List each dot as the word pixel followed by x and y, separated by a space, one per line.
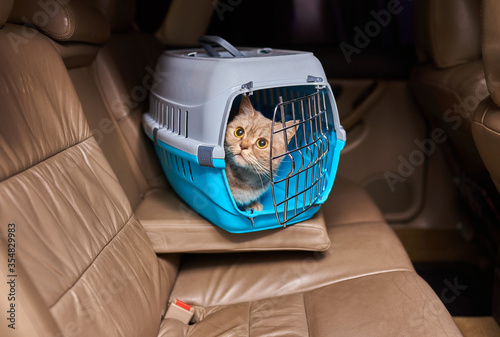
pixel 261 182
pixel 258 166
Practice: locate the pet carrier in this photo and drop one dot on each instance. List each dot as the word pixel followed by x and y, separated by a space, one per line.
pixel 191 102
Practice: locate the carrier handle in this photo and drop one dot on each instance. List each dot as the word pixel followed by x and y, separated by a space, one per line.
pixel 209 41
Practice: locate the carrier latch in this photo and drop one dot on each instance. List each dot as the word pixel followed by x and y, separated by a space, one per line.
pixel 155 135
pixel 205 156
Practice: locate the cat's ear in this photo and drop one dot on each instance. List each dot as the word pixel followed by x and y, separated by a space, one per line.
pixel 246 106
pixel 291 131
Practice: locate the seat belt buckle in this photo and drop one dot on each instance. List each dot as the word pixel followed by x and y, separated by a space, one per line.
pixel 180 311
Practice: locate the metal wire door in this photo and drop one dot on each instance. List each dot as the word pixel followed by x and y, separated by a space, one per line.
pixel 301 179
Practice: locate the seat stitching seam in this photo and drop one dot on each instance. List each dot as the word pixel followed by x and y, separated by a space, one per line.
pixel 363 275
pixel 249 317
pixel 128 222
pixel 354 223
pixel 358 277
pixel 130 155
pixel 487 128
pixel 305 313
pixel 328 284
pixel 48 158
pixel 65 34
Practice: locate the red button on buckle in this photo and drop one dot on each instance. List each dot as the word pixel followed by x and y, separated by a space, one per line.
pixel 183 305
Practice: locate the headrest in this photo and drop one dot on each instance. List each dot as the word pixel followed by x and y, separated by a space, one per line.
pixel 448 31
pixel 120 13
pixel 5 8
pixel 63 20
pixel 491 47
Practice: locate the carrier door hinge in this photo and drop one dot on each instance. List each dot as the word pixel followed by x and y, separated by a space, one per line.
pixel 247 86
pixel 311 78
pixel 316 79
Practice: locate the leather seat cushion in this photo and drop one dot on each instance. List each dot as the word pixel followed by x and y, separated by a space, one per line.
pixel 395 303
pixel 173 227
pixel 357 249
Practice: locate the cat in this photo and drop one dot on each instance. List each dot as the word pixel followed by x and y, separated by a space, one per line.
pixel 247 146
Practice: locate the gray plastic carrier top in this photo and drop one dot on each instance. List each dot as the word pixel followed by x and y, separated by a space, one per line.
pixel 193 109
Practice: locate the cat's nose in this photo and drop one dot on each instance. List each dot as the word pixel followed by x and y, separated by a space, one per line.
pixel 243 146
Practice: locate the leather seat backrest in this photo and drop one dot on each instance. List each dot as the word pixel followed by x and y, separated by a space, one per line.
pixel 112 76
pixel 125 71
pixel 486 126
pixel 79 242
pixel 449 82
pixel 491 47
pixel 447 32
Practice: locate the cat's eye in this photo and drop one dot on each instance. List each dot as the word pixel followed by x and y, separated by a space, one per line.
pixel 261 143
pixel 239 132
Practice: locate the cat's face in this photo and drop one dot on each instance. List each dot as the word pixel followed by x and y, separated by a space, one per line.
pixel 248 139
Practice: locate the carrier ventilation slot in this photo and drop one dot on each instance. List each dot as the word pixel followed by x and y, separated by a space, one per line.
pixel 177 164
pixel 170 117
pixel 298 189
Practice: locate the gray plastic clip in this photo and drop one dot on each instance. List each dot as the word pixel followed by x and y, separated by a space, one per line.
pixel 155 135
pixel 205 156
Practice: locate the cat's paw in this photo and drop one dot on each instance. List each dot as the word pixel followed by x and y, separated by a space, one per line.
pixel 256 206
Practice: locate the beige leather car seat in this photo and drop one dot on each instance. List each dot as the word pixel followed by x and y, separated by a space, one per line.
pixel 486 126
pixel 449 82
pixel 108 78
pixel 77 237
pixel 90 269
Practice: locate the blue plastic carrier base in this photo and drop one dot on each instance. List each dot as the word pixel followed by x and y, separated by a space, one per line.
pixel 206 190
pixel 187 123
